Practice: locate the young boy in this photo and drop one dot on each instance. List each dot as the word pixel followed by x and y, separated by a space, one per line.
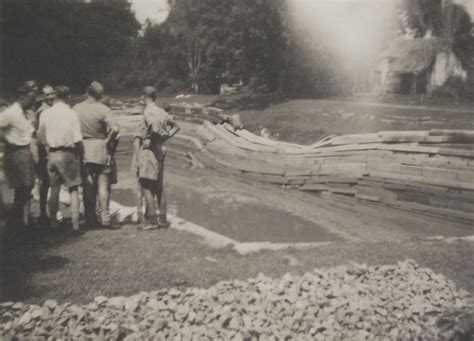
pixel 149 157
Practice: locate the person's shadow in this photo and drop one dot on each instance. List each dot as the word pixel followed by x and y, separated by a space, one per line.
pixel 23 252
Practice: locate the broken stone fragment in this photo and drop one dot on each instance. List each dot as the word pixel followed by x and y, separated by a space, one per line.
pixel 100 300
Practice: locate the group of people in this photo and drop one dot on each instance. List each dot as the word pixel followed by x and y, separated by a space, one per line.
pixel 45 138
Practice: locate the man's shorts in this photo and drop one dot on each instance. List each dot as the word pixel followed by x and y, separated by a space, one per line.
pixel 64 168
pixel 18 166
pixel 94 169
pixel 150 166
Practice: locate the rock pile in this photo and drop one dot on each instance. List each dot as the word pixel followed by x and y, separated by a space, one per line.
pixel 196 113
pixel 400 301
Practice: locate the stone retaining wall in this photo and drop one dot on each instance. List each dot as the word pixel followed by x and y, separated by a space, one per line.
pixel 422 171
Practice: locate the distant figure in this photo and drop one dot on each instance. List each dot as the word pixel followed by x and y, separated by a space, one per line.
pixel 100 132
pixel 18 162
pixel 149 157
pixel 60 130
pixel 42 165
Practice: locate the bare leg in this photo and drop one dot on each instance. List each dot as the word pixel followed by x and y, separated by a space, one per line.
pixel 139 201
pixel 74 207
pixel 160 194
pixel 54 205
pixel 22 204
pixel 90 197
pixel 104 198
pixel 150 202
pixel 26 212
pixel 162 204
pixel 43 197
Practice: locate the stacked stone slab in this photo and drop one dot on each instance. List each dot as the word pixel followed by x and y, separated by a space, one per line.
pixel 197 113
pixel 354 302
pixel 425 171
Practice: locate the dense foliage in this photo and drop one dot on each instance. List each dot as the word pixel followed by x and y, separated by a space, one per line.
pixel 201 45
pixel 63 41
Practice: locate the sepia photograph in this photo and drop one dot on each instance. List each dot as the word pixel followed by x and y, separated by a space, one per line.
pixel 239 170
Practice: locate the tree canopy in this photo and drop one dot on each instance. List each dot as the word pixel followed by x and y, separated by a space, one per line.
pixel 63 41
pixel 205 43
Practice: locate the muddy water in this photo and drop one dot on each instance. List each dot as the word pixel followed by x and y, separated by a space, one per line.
pixel 238 217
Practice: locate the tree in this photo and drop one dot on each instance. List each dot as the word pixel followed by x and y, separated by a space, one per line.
pixel 63 41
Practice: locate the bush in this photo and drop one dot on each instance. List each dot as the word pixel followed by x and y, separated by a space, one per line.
pixel 454 87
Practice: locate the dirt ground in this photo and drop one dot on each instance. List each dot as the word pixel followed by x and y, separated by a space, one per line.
pixel 41 264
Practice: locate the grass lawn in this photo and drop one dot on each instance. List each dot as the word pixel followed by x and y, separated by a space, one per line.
pixel 307 121
pixel 42 264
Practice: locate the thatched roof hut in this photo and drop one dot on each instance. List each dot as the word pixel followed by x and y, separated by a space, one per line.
pixel 416 65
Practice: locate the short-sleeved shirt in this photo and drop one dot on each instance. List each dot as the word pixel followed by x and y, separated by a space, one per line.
pixel 96 119
pixel 96 122
pixel 42 108
pixel 153 126
pixel 59 126
pixel 17 129
pixel 156 119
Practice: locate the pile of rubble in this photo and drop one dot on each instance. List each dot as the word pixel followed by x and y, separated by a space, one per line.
pixel 400 301
pixel 197 113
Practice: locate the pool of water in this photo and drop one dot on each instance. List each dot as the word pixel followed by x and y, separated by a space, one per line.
pixel 244 219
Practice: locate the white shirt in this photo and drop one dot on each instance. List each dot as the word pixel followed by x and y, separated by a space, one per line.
pixel 17 129
pixel 59 126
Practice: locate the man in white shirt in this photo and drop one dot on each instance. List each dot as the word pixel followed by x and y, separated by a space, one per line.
pixel 18 164
pixel 60 130
pixel 42 163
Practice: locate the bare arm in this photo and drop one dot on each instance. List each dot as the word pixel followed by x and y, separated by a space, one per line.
pixel 174 129
pixel 112 141
pixel 80 149
pixel 137 142
pixel 4 124
pixel 113 131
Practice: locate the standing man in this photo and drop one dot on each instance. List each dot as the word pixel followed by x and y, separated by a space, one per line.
pixel 156 127
pixel 18 161
pixel 60 130
pixel 100 133
pixel 42 164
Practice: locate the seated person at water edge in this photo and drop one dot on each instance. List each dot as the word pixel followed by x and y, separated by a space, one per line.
pixel 149 156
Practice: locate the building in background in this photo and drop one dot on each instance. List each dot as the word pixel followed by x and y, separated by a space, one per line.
pixel 417 66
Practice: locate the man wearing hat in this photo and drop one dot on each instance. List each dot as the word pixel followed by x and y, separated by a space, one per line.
pixel 60 130
pixel 18 162
pixel 100 132
pixel 149 156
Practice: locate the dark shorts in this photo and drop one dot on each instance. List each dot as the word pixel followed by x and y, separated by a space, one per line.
pixel 94 170
pixel 149 164
pixel 64 168
pixel 19 168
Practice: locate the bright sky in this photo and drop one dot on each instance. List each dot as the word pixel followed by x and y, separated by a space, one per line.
pixel 155 10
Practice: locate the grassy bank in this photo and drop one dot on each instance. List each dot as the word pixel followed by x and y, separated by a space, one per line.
pixel 41 264
pixel 307 121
